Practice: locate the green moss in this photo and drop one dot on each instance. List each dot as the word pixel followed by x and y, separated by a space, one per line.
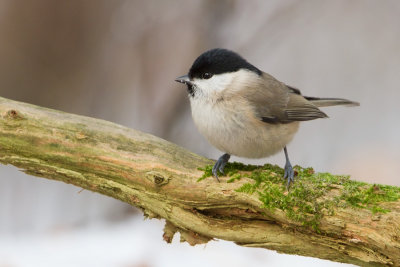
pixel 362 195
pixel 207 172
pixel 231 169
pixel 234 177
pixel 308 200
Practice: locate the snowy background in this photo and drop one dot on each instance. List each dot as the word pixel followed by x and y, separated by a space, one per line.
pixel 117 60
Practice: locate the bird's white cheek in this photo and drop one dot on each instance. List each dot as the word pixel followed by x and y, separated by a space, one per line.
pixel 217 83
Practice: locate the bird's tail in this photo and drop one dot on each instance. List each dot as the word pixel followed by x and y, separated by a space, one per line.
pixel 327 102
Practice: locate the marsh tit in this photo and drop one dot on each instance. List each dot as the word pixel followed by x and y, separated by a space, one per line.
pixel 246 112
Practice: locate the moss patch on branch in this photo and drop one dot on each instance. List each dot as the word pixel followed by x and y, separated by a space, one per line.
pixel 312 196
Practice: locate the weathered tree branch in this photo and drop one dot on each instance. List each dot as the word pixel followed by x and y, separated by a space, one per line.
pixel 161 179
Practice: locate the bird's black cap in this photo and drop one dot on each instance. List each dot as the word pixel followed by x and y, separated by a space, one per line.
pixel 217 61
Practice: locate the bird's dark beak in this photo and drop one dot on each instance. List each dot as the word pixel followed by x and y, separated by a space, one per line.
pixel 183 79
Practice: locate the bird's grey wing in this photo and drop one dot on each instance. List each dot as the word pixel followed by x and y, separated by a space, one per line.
pixel 278 103
pixel 300 109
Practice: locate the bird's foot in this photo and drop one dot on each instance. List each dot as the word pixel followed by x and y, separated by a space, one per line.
pixel 220 165
pixel 289 174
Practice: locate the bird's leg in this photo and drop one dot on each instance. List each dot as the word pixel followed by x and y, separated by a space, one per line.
pixel 220 165
pixel 289 172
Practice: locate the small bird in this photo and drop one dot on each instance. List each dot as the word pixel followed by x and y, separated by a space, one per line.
pixel 246 112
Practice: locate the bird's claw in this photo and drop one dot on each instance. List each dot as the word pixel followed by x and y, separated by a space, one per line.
pixel 215 172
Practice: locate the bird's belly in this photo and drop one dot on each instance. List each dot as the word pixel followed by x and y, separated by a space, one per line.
pixel 238 133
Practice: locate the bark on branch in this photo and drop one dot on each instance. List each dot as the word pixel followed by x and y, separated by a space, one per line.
pixel 161 179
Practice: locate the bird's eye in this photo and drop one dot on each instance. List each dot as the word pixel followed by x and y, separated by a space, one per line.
pixel 206 75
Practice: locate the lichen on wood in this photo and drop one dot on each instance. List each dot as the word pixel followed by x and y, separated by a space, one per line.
pixel 323 215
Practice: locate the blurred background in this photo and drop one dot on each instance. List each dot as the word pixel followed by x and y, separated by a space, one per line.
pixel 117 60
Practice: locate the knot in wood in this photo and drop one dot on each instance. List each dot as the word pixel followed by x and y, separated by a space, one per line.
pixel 157 178
pixel 13 114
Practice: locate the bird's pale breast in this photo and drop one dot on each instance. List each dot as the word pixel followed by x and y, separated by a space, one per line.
pixel 232 127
